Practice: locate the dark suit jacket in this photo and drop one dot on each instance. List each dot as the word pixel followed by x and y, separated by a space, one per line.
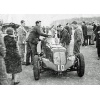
pixel 65 37
pixel 98 40
pixel 97 36
pixel 35 34
pixel 68 29
pixel 84 29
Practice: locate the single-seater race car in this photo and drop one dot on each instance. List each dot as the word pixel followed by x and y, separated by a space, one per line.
pixel 55 57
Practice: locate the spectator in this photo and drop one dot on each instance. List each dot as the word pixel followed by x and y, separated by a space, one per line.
pixel 77 38
pixel 21 40
pixel 3 74
pixel 89 33
pixel 28 51
pixel 12 58
pixel 84 29
pixel 53 31
pixel 94 30
pixel 58 32
pixel 68 28
pixel 98 40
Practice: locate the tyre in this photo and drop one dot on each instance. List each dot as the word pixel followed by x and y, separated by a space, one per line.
pixel 80 65
pixel 36 70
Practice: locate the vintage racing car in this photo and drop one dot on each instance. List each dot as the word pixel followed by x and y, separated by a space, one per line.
pixel 55 57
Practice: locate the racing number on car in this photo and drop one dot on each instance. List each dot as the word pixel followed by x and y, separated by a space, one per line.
pixel 62 68
pixel 58 67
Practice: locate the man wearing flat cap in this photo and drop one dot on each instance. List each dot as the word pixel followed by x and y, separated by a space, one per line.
pixel 77 37
pixel 33 39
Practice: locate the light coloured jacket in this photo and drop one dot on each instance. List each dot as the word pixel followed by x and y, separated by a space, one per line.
pixel 78 36
pixel 89 30
pixel 21 35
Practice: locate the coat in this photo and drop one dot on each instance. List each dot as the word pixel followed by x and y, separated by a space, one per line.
pixel 98 40
pixel 21 35
pixel 77 40
pixel 12 58
pixel 68 29
pixel 97 36
pixel 84 29
pixel 3 74
pixel 35 34
pixel 65 36
pixel 89 30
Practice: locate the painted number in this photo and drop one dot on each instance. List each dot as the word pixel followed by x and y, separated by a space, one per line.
pixel 58 68
pixel 62 67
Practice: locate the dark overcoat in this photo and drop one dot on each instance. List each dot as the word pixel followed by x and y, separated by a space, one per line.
pixel 12 58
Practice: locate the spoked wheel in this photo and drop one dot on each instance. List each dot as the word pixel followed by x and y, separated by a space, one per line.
pixel 36 70
pixel 80 65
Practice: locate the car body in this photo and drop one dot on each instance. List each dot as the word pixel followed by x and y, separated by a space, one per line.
pixel 57 58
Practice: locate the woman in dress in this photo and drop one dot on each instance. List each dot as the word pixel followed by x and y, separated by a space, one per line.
pixel 12 59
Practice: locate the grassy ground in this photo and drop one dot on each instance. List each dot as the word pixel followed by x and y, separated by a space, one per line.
pixel 91 77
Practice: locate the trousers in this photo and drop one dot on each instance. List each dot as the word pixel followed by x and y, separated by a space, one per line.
pixel 21 48
pixel 76 48
pixel 98 51
pixel 32 51
pixel 29 53
pixel 85 41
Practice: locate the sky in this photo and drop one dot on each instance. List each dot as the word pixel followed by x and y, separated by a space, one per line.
pixel 46 19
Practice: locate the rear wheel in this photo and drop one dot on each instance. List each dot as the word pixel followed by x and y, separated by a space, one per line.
pixel 80 65
pixel 36 70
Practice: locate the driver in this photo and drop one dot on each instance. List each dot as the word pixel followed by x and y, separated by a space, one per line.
pixel 33 39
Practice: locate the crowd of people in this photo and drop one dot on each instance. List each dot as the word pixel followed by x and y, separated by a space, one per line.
pixel 15 52
pixel 90 34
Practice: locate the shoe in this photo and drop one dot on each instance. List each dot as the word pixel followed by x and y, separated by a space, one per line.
pixel 23 63
pixel 82 44
pixel 16 83
pixel 92 44
pixel 98 58
pixel 28 64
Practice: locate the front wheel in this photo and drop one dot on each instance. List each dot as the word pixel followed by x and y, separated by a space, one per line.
pixel 36 70
pixel 80 65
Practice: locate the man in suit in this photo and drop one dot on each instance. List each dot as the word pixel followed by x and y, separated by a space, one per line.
pixel 98 40
pixel 77 37
pixel 94 30
pixel 21 40
pixel 84 29
pixel 33 39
